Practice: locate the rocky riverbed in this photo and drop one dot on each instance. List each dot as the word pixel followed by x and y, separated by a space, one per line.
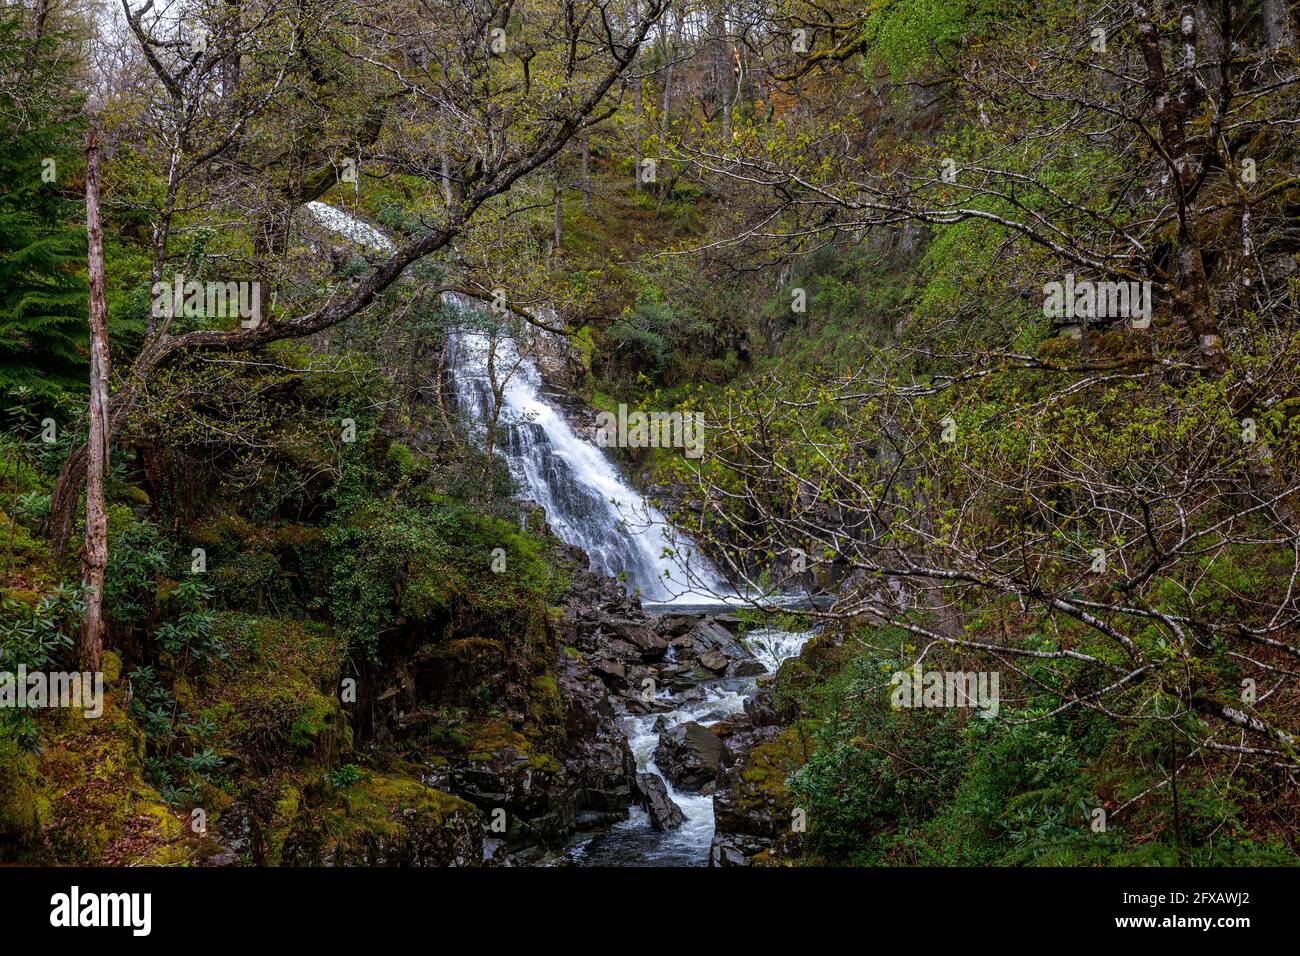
pixel 679 680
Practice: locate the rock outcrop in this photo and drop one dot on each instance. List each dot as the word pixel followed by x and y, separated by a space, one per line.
pixel 389 821
pixel 689 755
pixel 756 819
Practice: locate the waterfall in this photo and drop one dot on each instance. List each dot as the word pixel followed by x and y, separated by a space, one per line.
pixel 586 500
pixel 349 227
pixel 772 646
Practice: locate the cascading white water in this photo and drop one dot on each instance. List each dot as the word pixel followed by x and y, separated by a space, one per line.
pixel 771 647
pixel 587 503
pixel 586 500
pixel 336 220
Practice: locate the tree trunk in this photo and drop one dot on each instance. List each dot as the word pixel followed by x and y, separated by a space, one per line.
pixel 230 64
pixel 586 171
pixel 1211 34
pixel 637 112
pixel 1277 25
pixel 95 557
pixel 559 212
pixel 63 500
pixel 39 16
pixel 446 180
pixel 723 72
pixel 1195 307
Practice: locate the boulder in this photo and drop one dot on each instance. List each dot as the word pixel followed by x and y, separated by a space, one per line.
pixel 709 638
pixel 664 814
pixel 597 760
pixel 612 669
pixel 715 661
pixel 736 849
pixel 384 820
pixel 745 667
pixel 677 625
pixel 641 636
pixel 730 621
pixel 688 755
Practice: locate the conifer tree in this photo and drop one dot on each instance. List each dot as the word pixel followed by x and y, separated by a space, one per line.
pixel 42 247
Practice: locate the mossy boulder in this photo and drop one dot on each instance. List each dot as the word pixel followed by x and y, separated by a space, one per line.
pixel 280 822
pixel 387 820
pixel 755 814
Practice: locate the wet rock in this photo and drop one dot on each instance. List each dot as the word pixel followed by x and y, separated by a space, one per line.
pixel 677 625
pixel 623 650
pixel 597 760
pixel 612 669
pixel 688 755
pixel 715 661
pixel 494 853
pixel 638 674
pixel 730 621
pixel 735 849
pixel 664 814
pixel 746 667
pixel 707 636
pixel 751 808
pixel 595 819
pixel 641 636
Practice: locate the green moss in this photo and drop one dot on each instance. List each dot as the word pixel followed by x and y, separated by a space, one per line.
pixel 769 764
pixel 318 717
pixel 120 520
pixel 545 763
pixel 224 529
pixel 386 819
pixel 100 809
pixel 28 566
pixel 544 704
pixel 276 830
pixel 23 805
pixel 279 702
pixel 402 460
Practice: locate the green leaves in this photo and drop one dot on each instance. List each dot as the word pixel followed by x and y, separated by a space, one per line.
pixel 42 245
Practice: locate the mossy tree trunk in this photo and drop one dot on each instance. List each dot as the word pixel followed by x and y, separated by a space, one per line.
pixel 95 556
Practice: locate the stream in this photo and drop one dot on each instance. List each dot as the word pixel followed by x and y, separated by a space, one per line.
pixel 635 842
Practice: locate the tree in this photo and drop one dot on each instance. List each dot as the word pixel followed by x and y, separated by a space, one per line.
pixel 42 297
pixel 95 555
pixel 511 115
pixel 1092 509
